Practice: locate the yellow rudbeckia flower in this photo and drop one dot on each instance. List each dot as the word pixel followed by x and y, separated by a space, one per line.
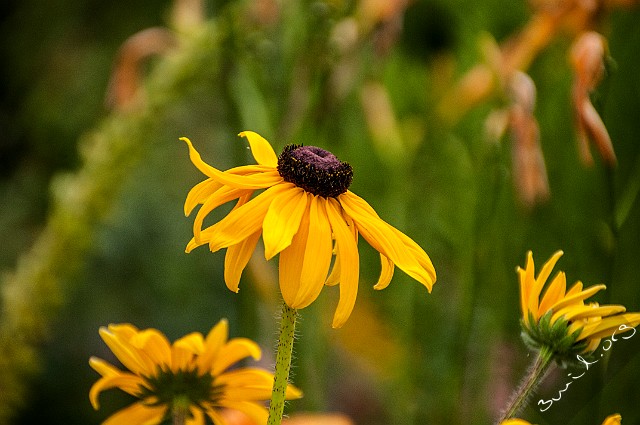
pixel 189 378
pixel 305 213
pixel 560 319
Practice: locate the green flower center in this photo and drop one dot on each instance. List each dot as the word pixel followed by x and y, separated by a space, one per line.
pixel 182 387
pixel 315 170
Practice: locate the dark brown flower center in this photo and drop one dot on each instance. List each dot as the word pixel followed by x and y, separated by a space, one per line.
pixel 315 170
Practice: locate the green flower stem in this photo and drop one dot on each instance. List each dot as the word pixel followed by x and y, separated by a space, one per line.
pixel 283 364
pixel 537 372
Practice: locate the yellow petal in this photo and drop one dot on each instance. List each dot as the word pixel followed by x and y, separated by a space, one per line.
pixel 348 255
pixel 386 273
pixel 127 382
pixel 261 149
pixel 104 368
pixel 246 377
pixel 154 344
pixel 610 325
pixel 183 351
pixel 199 193
pixel 334 274
pixel 197 417
pixel 577 297
pixel 515 422
pixel 545 272
pixel 577 287
pixel 234 351
pixel 215 417
pixel 221 196
pixel 317 254
pixel 236 259
pixel 127 355
pixel 139 414
pixel 615 419
pixel 267 178
pixel 215 340
pixel 291 259
pixel 554 293
pixel 386 239
pixel 524 293
pixel 423 259
pixel 242 222
pixel 257 412
pixel 193 342
pixel 283 220
pixel 580 312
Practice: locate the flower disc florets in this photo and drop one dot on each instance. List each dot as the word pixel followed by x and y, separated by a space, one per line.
pixel 315 170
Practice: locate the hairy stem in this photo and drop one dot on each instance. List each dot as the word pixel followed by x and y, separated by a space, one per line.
pixel 537 372
pixel 283 364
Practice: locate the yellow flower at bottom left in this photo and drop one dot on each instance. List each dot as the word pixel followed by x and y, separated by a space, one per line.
pixel 183 381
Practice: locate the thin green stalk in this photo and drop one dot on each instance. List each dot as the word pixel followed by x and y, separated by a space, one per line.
pixel 537 372
pixel 283 364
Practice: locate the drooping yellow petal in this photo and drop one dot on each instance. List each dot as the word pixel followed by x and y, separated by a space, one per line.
pixel 104 368
pixel 236 259
pixel 291 259
pixel 334 275
pixel 242 222
pixel 423 259
pixel 283 220
pixel 348 255
pixel 138 413
pixel 204 236
pixel 261 149
pixel 127 382
pixel 317 255
pixel 267 178
pixel 221 196
pixel 234 351
pixel 386 273
pixel 199 194
pixel 515 422
pixel 383 237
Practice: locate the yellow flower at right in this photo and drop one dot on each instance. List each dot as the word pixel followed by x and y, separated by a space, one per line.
pixel 559 319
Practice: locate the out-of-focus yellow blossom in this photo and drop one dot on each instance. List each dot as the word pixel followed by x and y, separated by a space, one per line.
pixel 560 320
pixel 188 379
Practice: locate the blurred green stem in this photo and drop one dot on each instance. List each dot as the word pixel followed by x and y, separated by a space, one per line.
pixel 283 364
pixel 537 372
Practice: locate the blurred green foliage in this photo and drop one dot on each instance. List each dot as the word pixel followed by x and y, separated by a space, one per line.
pixel 93 233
